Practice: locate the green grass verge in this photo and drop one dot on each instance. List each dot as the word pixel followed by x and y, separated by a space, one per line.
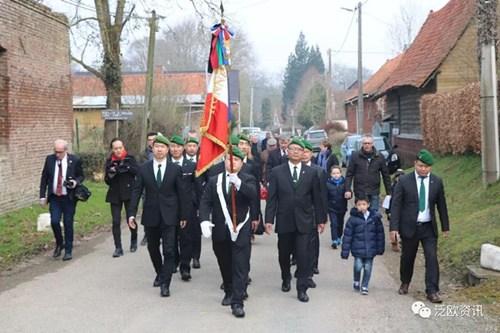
pixel 19 238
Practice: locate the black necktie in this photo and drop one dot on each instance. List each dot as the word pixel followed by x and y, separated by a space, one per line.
pixel 158 176
pixel 295 176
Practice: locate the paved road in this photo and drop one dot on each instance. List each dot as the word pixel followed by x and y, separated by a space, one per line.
pixel 98 293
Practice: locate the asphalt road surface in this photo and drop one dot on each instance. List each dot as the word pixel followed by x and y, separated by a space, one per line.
pixel 97 293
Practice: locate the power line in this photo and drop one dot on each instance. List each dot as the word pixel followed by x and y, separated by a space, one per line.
pixel 347 33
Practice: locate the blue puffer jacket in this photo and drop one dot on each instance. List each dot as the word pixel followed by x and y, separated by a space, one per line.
pixel 336 201
pixel 363 238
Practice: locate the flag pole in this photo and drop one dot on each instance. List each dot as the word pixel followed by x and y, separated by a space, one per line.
pixel 231 165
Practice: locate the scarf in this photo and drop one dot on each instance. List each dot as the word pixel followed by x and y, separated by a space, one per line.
pixel 122 156
pixel 336 182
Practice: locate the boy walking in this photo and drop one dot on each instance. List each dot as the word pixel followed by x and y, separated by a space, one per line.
pixel 364 238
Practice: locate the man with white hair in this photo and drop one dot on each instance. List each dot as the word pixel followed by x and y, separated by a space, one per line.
pixel 62 173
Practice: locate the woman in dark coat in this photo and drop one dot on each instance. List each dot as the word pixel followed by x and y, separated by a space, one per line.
pixel 121 169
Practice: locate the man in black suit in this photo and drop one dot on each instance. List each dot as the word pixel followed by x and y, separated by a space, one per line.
pixel 295 201
pixel 62 172
pixel 231 248
pixel 277 157
pixel 314 245
pixel 413 216
pixel 184 239
pixel 191 153
pixel 164 206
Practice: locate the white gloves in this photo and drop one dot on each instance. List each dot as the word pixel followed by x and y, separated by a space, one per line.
pixel 234 179
pixel 206 228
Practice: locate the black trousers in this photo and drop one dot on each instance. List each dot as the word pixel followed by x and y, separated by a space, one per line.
pixel 426 236
pixel 314 250
pixel 163 265
pixel 184 247
pixel 287 243
pixel 234 263
pixel 116 214
pixel 196 238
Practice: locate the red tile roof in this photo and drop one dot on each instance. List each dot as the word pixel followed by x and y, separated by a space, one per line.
pixel 437 37
pixel 134 84
pixel 375 82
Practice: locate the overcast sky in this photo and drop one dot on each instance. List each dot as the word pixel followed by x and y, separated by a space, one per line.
pixel 273 26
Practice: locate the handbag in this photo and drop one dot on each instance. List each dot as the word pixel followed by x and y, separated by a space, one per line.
pixel 82 193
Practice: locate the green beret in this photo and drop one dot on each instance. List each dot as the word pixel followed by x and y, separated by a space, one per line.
pixel 425 156
pixel 234 139
pixel 238 153
pixel 177 139
pixel 296 141
pixel 244 137
pixel 161 139
pixel 307 145
pixel 193 140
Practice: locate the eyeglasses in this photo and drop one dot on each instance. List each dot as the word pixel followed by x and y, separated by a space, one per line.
pixel 295 149
pixel 367 143
pixel 59 152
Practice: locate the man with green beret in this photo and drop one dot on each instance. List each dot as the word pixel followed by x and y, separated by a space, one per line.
pixel 413 217
pixel 231 247
pixel 295 202
pixel 314 245
pixel 191 154
pixel 165 208
pixel 184 239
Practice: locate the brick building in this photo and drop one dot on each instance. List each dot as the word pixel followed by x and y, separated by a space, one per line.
pixel 35 96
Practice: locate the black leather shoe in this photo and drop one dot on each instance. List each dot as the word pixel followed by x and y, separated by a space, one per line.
pixel 434 298
pixel 133 246
pixel 164 291
pixel 67 256
pixel 285 286
pixel 144 241
pixel 238 311
pixel 196 263
pixel 185 276
pixel 302 296
pixel 403 289
pixel 311 283
pixel 222 286
pixel 316 270
pixel 156 282
pixel 226 301
pixel 118 252
pixel 57 251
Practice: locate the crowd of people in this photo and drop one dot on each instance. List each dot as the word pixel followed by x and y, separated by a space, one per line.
pixel 302 193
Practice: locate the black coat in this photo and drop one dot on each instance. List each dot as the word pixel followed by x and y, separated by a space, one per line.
pixel 404 205
pixel 366 172
pixel 337 203
pixel 192 185
pixel 294 208
pixel 210 204
pixel 167 204
pixel 273 160
pixel 322 187
pixel 363 238
pixel 121 179
pixel 74 171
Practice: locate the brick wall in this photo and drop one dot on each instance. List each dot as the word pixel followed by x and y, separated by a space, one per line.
pixel 408 148
pixel 370 114
pixel 35 96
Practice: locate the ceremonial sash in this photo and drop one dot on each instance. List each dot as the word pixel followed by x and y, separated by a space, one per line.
pixel 225 211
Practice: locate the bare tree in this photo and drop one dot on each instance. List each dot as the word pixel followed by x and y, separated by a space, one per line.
pixel 404 26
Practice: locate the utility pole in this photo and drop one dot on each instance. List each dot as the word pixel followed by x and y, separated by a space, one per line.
pixel 490 158
pixel 251 106
pixel 360 115
pixel 146 124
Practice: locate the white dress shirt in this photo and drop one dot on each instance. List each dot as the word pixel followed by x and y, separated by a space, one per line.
pixel 163 167
pixel 189 157
pixel 424 216
pixel 179 161
pixel 291 166
pixel 64 162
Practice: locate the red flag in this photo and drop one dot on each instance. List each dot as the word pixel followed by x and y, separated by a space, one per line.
pixel 214 123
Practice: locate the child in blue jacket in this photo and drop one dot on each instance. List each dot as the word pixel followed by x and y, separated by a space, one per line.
pixel 337 204
pixel 364 238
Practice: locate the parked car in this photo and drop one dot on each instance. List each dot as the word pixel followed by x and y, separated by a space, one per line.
pixel 380 143
pixel 315 137
pixel 347 147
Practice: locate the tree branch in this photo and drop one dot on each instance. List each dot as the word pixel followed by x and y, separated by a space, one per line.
pixel 129 15
pixel 83 20
pixel 88 68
